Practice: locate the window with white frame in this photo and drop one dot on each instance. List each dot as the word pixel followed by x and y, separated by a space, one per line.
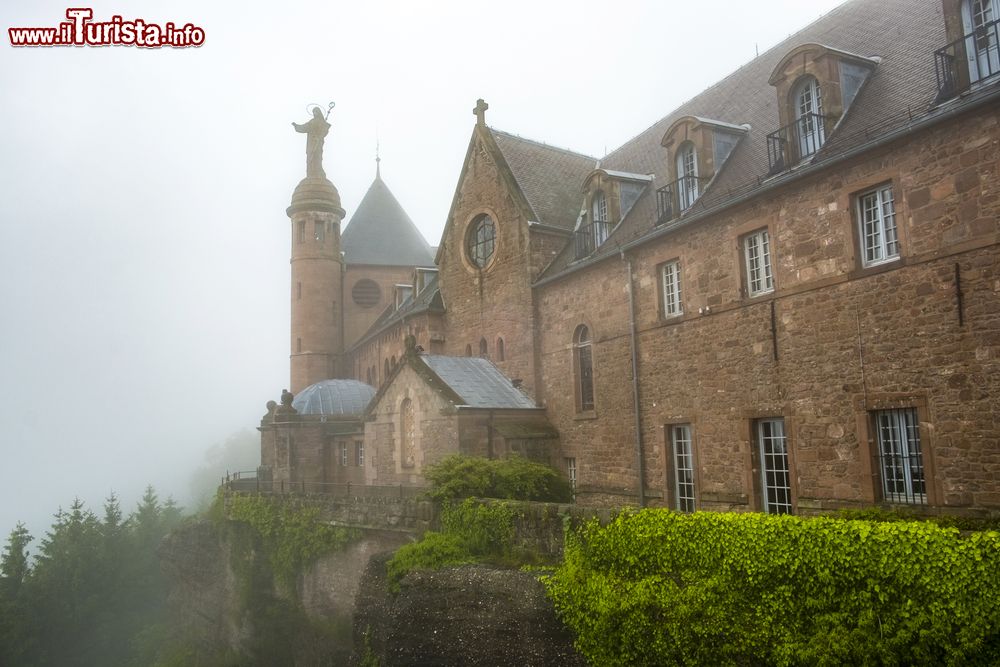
pixel 901 462
pixel 359 453
pixel 757 257
pixel 683 460
pixel 343 454
pixel 809 126
pixel 571 471
pixel 772 452
pixel 687 176
pixel 670 277
pixel 877 226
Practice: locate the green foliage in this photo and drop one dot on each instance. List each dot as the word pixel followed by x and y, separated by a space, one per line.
pixel 516 478
pixel 93 590
pixel 293 535
pixel 966 523
pixel 473 532
pixel 659 588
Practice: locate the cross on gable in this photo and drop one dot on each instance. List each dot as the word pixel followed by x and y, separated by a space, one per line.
pixel 480 111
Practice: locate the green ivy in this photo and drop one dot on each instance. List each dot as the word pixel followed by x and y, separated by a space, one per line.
pixel 293 534
pixel 659 588
pixel 472 532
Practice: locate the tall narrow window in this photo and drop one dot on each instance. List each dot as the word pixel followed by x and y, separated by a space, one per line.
pixel 671 280
pixel 298 290
pixel 571 471
pixel 982 45
pixel 407 433
pixel 343 454
pixel 501 352
pixel 601 227
pixel 468 350
pixel 877 219
pixel 386 368
pixel 775 480
pixel 687 175
pixel 359 453
pixel 584 367
pixel 809 122
pixel 301 228
pixel 298 344
pixel 484 350
pixel 683 460
pixel 600 207
pixel 901 462
pixel 757 256
pixel 318 231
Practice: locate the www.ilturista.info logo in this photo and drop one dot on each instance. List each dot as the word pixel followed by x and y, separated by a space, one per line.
pixel 80 30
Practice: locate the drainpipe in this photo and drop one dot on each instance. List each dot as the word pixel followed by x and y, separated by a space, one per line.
pixel 640 462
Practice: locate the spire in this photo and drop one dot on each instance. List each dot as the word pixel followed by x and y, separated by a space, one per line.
pixel 378 160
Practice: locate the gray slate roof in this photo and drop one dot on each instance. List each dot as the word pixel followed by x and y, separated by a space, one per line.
pixel 429 300
pixel 381 233
pixel 334 397
pixel 478 382
pixel 551 178
pixel 903 33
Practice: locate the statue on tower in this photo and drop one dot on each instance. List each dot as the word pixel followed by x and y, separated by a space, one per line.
pixel 315 130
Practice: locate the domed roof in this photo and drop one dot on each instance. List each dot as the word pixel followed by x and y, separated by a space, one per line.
pixel 315 193
pixel 334 397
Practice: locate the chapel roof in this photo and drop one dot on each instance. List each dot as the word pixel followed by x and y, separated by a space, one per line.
pixel 477 382
pixel 334 397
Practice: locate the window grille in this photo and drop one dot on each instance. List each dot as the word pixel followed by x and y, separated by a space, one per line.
pixel 680 437
pixel 901 463
pixel 671 273
pixel 757 253
pixel 343 454
pixel 359 453
pixel 775 479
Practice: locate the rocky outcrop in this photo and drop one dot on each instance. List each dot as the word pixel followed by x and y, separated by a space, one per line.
pixel 470 615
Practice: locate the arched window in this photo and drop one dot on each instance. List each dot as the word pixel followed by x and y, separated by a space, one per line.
pixel 501 353
pixel 484 350
pixel 601 226
pixel 807 99
pixel 468 350
pixel 407 433
pixel 386 367
pixel 687 175
pixel 480 240
pixel 368 376
pixel 583 367
pixel 393 361
pixel 981 44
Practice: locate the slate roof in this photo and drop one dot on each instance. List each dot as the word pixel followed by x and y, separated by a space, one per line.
pixel 551 178
pixel 903 33
pixel 478 382
pixel 429 300
pixel 334 397
pixel 381 233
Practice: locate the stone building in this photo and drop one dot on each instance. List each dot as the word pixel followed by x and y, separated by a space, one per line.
pixel 782 296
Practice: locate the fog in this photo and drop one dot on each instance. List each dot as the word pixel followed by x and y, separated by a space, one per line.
pixel 143 240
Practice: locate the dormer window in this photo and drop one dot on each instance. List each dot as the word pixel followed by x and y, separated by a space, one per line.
pixel 973 56
pixel 697 148
pixel 687 179
pixel 816 85
pixel 608 198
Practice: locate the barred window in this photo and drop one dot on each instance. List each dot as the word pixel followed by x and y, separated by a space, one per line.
pixel 901 462
pixel 671 279
pixel 683 460
pixel 877 220
pixel 757 254
pixel 772 450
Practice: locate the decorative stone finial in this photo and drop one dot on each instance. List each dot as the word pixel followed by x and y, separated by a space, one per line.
pixel 480 111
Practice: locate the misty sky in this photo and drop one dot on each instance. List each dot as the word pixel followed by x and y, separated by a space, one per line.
pixel 143 240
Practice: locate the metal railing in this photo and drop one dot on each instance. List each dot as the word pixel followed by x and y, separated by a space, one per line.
pixel 590 237
pixel 250 481
pixel 796 141
pixel 967 61
pixel 676 197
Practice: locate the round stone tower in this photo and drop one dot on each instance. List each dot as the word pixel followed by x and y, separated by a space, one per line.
pixel 317 337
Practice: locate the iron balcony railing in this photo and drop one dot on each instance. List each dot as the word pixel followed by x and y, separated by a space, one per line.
pixel 676 197
pixel 789 145
pixel 590 237
pixel 968 61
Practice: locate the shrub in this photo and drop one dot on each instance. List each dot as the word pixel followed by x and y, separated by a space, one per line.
pixel 657 587
pixel 516 478
pixel 473 532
